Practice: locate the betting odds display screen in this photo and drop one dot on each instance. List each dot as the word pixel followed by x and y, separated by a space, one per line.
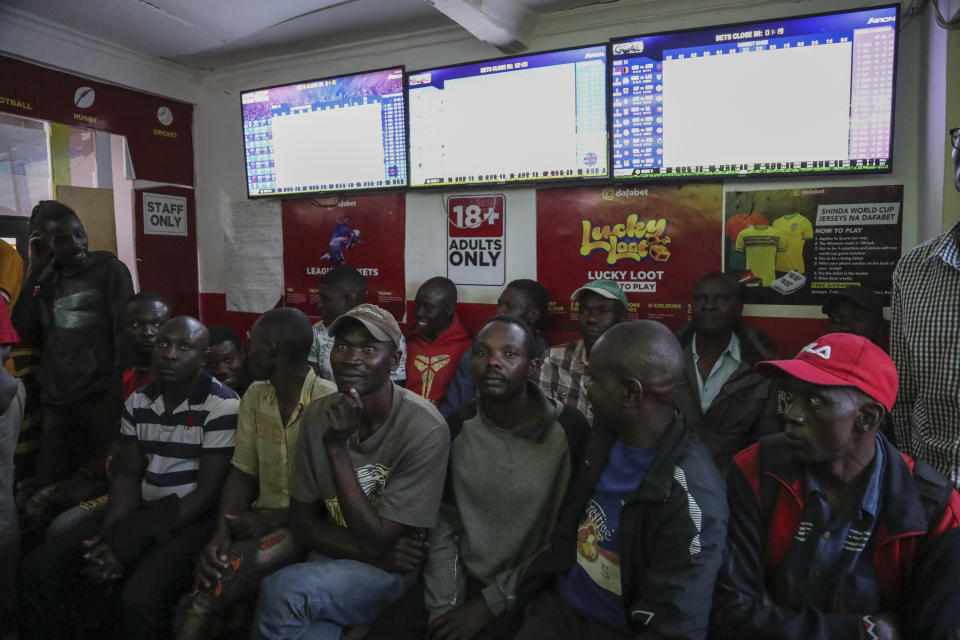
pixel 335 134
pixel 809 95
pixel 534 118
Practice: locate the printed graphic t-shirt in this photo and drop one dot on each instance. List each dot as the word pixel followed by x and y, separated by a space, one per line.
pixel 593 586
pixel 797 229
pixel 761 244
pixel 732 228
pixel 401 468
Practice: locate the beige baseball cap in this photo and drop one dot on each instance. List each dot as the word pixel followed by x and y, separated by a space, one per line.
pixel 379 322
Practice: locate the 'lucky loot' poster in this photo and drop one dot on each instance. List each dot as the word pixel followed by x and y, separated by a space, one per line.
pixel 366 232
pixel 796 246
pixel 655 242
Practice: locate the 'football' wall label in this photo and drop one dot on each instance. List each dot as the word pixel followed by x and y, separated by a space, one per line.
pixel 164 215
pixel 476 249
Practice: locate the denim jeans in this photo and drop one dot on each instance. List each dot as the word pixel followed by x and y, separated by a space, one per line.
pixel 317 598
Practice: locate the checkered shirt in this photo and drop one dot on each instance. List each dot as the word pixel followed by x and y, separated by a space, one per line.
pixel 925 345
pixel 563 376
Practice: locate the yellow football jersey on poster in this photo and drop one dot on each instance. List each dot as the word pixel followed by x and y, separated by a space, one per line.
pixel 798 229
pixel 761 244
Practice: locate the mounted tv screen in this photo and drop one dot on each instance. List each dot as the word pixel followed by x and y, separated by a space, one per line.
pixel 810 95
pixel 334 134
pixel 534 118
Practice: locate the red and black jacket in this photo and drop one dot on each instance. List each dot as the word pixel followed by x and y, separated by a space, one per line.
pixel 766 495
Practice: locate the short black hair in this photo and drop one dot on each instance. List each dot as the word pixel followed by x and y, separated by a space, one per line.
pixel 222 333
pixel 445 285
pixel 48 210
pixel 347 278
pixel 529 340
pixel 290 328
pixel 725 278
pixel 147 296
pixel 535 292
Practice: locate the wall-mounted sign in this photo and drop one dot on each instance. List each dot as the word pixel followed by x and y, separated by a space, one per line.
pixel 476 248
pixel 164 215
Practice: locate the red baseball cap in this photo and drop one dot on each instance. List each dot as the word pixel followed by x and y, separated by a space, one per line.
pixel 841 360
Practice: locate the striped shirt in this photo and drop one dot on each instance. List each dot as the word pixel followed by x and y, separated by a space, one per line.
pixel 925 345
pixel 173 441
pixel 563 376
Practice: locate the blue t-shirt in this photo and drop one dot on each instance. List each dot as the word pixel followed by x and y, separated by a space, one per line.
pixel 593 587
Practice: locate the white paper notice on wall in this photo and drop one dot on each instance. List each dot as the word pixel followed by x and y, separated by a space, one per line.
pixel 476 251
pixel 253 255
pixel 164 215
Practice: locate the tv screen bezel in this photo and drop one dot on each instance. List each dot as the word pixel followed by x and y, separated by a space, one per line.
pixel 533 183
pixel 719 177
pixel 346 191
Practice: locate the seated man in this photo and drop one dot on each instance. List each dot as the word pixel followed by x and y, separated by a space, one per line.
pixel 828 520
pixel 12 398
pixel 856 310
pixel 639 542
pixel 227 362
pixel 437 341
pixel 563 373
pixel 176 438
pixel 251 539
pixel 726 403
pixel 511 459
pixel 370 467
pixel 340 289
pixel 523 299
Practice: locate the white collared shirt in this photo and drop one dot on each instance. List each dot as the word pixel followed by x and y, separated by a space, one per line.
pixel 723 368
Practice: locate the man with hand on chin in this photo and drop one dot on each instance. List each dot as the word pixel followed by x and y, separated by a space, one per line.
pixel 159 514
pixel 833 532
pixel 367 479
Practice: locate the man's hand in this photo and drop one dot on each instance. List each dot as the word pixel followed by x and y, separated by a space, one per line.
pixel 462 623
pixel 39 255
pixel 407 554
pixel 887 626
pixel 343 419
pixel 102 565
pixel 249 524
pixel 213 559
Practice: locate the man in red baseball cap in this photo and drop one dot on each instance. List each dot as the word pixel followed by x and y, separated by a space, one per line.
pixel 830 525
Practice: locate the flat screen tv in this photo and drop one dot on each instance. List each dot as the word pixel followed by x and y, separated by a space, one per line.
pixel 809 95
pixel 345 133
pixel 534 118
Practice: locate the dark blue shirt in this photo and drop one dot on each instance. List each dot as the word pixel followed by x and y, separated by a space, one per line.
pixel 593 587
pixel 832 553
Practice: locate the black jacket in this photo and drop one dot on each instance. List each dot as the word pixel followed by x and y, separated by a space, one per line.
pixel 672 535
pixel 746 406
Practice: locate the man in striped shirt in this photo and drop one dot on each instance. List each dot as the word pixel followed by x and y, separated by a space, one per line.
pixel 160 514
pixel 925 345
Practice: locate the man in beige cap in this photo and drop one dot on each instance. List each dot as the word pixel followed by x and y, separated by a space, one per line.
pixel 563 374
pixel 366 482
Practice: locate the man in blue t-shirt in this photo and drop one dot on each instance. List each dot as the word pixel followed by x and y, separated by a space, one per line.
pixel 647 513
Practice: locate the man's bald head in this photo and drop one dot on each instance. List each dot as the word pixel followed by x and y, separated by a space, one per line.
pixel 645 350
pixel 181 350
pixel 194 328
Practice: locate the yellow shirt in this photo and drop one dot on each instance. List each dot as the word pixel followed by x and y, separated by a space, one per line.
pixel 265 448
pixel 798 229
pixel 11 273
pixel 761 244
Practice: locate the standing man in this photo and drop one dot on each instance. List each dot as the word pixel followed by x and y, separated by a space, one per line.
pixel 723 400
pixel 172 457
pixel 640 539
pixel 833 532
pixel 437 341
pixel 79 302
pixel 563 374
pixel 925 345
pixel 251 539
pixel 367 479
pixel 523 299
pixel 341 289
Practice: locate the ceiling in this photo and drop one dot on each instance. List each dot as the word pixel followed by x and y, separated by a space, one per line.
pixel 210 34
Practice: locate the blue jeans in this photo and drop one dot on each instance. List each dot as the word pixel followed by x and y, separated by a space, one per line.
pixel 317 598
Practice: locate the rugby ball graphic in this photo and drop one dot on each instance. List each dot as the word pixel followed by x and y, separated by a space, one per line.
pixel 84 97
